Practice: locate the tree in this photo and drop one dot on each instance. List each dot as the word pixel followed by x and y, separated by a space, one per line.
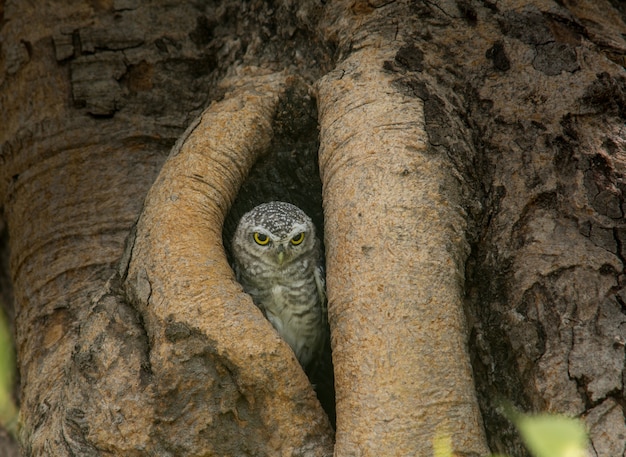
pixel 471 165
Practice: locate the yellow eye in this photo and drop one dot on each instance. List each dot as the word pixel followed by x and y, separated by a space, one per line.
pixel 299 238
pixel 261 238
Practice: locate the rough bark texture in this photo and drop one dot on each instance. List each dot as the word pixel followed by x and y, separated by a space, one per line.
pixel 547 271
pixel 94 95
pixel 210 347
pixel 396 251
pixel 493 126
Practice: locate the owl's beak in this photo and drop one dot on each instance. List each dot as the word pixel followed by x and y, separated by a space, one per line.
pixel 281 255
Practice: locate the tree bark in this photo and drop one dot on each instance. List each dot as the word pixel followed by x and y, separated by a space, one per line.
pixel 210 348
pixel 472 162
pixel 546 273
pixel 396 250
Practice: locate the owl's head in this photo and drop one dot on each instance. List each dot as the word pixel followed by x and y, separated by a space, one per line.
pixel 276 232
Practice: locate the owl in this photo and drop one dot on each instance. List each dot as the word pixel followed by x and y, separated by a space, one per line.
pixel 278 261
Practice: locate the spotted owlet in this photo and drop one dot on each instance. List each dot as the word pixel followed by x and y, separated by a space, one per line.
pixel 277 260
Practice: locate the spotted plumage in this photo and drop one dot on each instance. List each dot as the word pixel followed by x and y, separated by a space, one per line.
pixel 278 261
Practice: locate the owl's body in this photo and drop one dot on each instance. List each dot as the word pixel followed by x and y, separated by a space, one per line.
pixel 278 262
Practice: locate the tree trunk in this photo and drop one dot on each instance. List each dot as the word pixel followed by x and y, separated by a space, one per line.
pixel 396 250
pixel 471 157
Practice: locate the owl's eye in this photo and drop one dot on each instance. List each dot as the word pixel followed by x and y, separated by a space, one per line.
pixel 299 238
pixel 261 238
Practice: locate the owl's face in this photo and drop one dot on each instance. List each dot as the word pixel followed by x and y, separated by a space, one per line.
pixel 275 232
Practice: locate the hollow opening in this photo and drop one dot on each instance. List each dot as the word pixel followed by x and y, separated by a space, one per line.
pixel 289 172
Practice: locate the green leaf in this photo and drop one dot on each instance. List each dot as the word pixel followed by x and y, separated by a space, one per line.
pixel 549 435
pixel 8 410
pixel 442 445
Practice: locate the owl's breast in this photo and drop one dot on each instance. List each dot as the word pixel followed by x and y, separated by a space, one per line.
pixel 296 313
